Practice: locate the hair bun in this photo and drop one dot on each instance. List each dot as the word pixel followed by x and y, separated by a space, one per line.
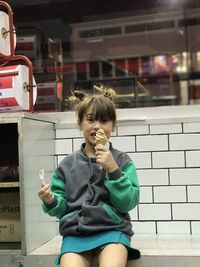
pixel 80 95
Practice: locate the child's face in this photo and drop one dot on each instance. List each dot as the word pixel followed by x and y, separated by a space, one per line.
pixel 90 126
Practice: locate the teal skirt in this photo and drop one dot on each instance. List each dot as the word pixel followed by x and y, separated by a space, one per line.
pixel 79 244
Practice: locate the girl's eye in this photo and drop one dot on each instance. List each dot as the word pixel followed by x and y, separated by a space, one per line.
pixel 90 119
pixel 104 121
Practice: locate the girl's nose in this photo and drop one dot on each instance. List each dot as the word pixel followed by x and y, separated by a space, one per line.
pixel 97 125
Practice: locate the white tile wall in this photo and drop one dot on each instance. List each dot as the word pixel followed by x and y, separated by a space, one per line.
pixel 184 142
pixel 169 194
pixel 125 143
pixel 193 127
pixel 193 159
pixel 153 177
pixel 77 143
pixel 152 143
pixel 193 193
pixel 186 176
pixel 60 158
pixel 142 160
pixel 68 133
pixel 167 157
pixel 195 227
pixel 152 212
pixel 171 227
pixel 144 227
pixel 63 146
pixel 133 130
pixel 134 214
pixel 165 128
pixel 146 195
pixel 186 211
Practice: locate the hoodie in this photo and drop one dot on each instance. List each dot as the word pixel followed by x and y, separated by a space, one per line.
pixel 89 200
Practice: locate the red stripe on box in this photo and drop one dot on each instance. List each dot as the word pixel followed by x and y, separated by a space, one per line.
pixel 6 83
pixel 8 68
pixel 8 74
pixel 47 106
pixel 45 91
pixel 25 46
pixel 8 102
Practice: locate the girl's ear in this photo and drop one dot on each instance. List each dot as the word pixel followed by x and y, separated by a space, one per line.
pixel 79 125
pixel 114 127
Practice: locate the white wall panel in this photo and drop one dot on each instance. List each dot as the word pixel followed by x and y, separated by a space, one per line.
pixel 170 194
pixel 186 211
pixel 146 195
pixel 191 127
pixel 193 193
pixel 63 146
pixel 168 159
pixel 133 130
pixel 125 143
pixel 193 159
pixel 152 143
pixel 141 160
pixel 68 133
pixel 184 142
pixel 165 128
pixel 173 227
pixel 154 212
pixel 186 176
pixel 153 177
pixel 144 227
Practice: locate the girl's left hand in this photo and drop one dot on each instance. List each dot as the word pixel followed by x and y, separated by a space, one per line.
pixel 105 158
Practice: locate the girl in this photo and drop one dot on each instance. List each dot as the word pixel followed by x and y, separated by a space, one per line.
pixel 92 190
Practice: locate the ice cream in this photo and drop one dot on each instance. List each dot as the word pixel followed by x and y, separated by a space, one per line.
pixel 100 137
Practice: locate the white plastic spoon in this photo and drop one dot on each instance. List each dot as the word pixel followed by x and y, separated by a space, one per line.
pixel 41 174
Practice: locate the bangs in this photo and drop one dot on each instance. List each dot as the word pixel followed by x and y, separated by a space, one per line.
pixel 103 109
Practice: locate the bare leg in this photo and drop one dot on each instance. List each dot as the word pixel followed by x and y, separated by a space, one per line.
pixel 76 259
pixel 113 255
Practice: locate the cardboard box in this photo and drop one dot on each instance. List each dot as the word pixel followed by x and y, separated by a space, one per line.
pixel 9 217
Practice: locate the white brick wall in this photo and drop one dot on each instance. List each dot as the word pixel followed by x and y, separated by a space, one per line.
pixel 167 157
pixel 152 143
pixel 186 176
pixel 154 212
pixel 167 194
pixel 165 128
pixel 184 141
pixel 172 227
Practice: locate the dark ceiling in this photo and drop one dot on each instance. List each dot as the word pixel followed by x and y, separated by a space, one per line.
pixel 70 11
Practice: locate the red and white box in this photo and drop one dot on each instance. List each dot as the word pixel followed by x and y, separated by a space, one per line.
pixel 28 45
pixel 47 99
pixel 14 90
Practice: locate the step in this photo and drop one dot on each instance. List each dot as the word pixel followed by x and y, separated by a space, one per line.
pixel 156 250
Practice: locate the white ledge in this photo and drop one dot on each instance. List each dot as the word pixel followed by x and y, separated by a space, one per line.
pixel 148 244
pixel 134 116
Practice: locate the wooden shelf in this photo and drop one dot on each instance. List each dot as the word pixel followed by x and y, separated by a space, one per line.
pixel 9 184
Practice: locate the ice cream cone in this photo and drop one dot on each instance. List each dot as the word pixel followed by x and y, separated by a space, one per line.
pixel 100 137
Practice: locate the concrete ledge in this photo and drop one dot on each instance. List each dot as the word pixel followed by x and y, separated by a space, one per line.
pixel 148 244
pixel 157 251
pixel 167 244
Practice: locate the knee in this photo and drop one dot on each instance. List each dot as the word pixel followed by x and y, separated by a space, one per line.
pixel 113 255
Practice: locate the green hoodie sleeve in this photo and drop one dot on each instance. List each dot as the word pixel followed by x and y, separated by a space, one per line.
pixel 59 207
pixel 123 187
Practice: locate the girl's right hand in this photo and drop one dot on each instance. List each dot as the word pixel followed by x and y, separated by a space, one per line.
pixel 45 194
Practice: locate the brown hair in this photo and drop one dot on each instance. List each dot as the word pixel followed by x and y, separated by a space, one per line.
pixel 103 108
